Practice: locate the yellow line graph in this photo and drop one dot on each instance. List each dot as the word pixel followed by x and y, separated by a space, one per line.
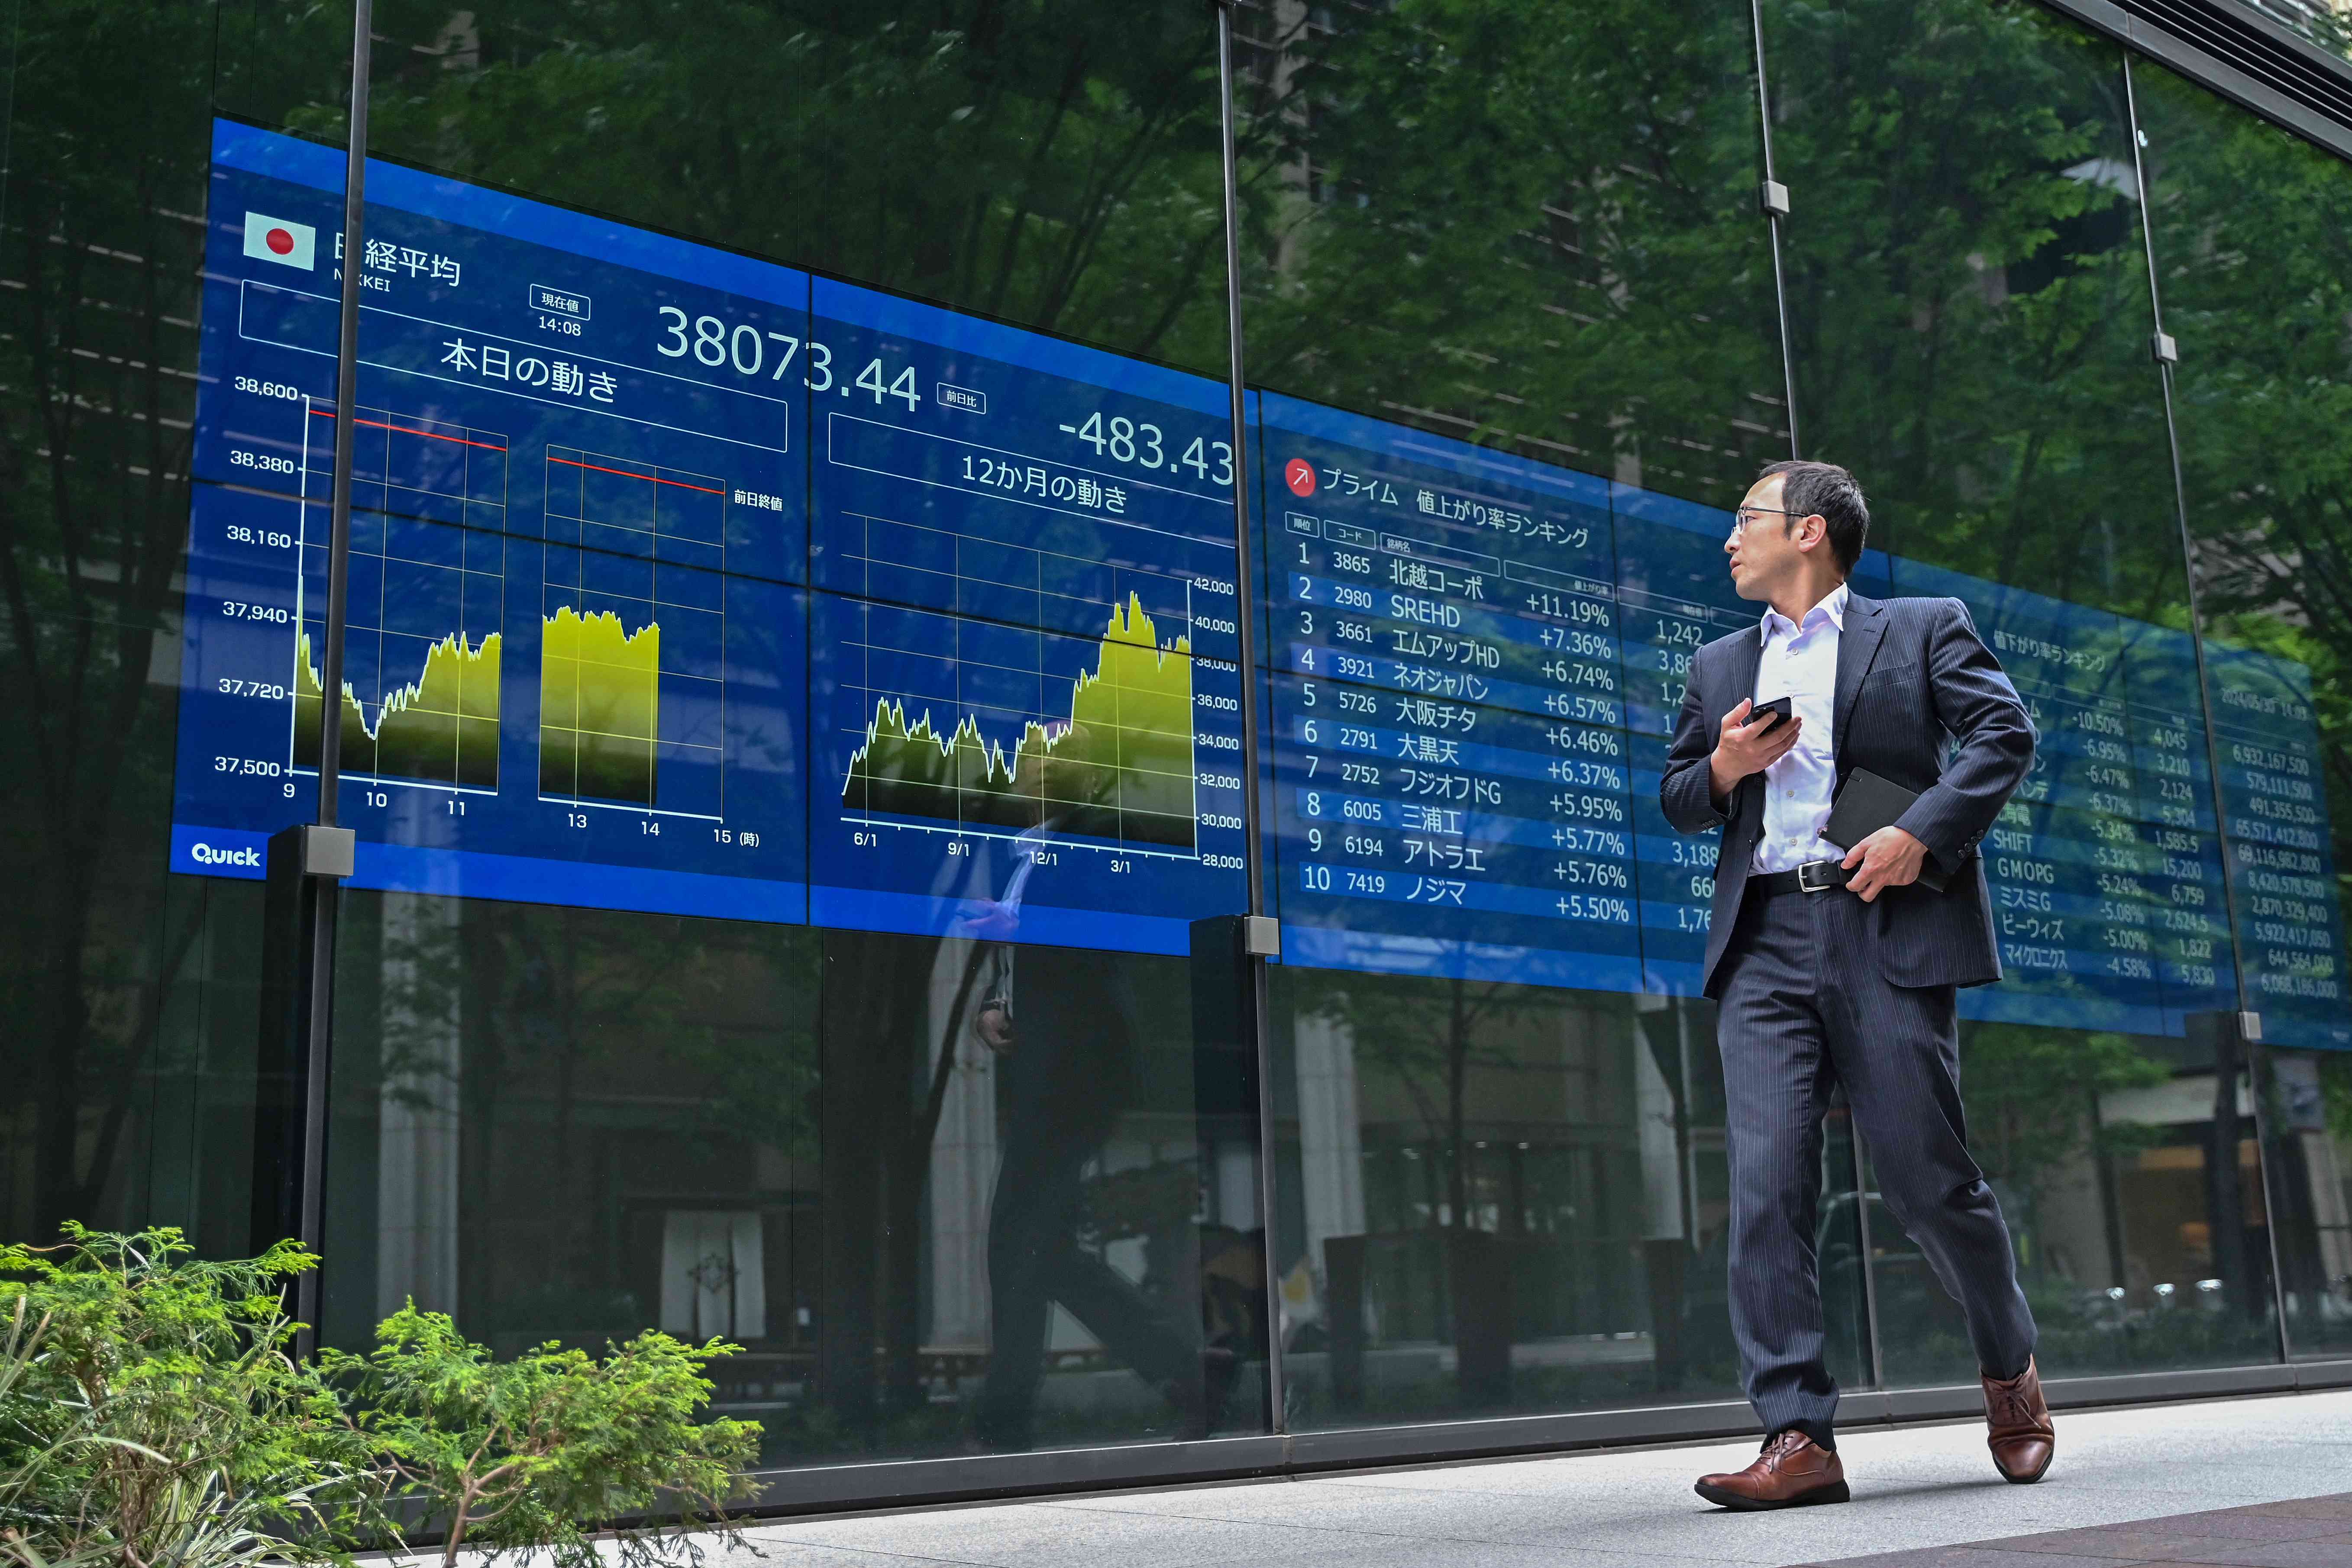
pixel 442 727
pixel 599 706
pixel 1120 768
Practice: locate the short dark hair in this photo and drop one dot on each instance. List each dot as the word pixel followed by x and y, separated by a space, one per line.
pixel 1830 490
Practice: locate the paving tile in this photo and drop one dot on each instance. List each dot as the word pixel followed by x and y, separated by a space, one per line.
pixel 2250 1526
pixel 2149 1542
pixel 2278 1554
pixel 1394 1512
pixel 796 1555
pixel 1468 1555
pixel 2305 1508
pixel 2182 1540
pixel 1041 1537
pixel 1804 1535
pixel 1971 1557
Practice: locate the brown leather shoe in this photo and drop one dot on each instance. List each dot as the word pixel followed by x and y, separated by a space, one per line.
pixel 1792 1471
pixel 2022 1441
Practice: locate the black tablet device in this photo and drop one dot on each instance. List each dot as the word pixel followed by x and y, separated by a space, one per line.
pixel 1866 803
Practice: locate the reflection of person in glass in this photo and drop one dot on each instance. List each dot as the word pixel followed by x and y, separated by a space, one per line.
pixel 1062 1024
pixel 1841 966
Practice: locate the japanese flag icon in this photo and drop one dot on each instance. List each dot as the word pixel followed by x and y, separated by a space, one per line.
pixel 275 239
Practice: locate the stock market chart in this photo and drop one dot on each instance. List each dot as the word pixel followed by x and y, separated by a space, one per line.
pixel 1026 691
pixel 575 658
pixel 584 592
pixel 683 582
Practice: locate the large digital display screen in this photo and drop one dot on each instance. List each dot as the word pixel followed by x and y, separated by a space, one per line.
pixel 1022 638
pixel 574 668
pixel 1476 662
pixel 687 583
pixel 682 581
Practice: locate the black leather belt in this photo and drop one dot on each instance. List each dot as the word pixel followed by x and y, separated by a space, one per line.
pixel 1813 876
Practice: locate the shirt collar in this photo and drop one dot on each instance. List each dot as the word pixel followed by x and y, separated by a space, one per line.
pixel 1831 609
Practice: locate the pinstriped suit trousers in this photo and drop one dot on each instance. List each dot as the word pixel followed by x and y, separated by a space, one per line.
pixel 1804 1009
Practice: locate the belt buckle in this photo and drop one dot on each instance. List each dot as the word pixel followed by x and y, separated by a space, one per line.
pixel 1805 883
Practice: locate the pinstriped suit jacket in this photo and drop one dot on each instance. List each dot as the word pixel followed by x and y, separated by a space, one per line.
pixel 1912 676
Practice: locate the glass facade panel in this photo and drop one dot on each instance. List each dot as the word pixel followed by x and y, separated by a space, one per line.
pixel 1512 374
pixel 791 714
pixel 793 693
pixel 139 1095
pixel 1532 230
pixel 2306 1120
pixel 1970 319
pixel 2247 223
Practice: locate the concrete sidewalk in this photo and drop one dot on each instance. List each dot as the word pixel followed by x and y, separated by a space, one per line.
pixel 1925 1487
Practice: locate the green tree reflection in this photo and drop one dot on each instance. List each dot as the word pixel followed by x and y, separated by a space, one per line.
pixel 1051 162
pixel 101 236
pixel 1528 224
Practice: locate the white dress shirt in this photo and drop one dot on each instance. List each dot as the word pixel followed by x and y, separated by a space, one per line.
pixel 1800 661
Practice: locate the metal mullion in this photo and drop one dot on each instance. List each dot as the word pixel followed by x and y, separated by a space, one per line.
pixel 1861 1186
pixel 1772 224
pixel 320 1024
pixel 1859 1156
pixel 2205 696
pixel 1246 620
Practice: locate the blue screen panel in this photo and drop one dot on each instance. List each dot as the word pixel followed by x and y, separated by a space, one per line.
pixel 575 669
pixel 1026 694
pixel 1478 660
pixel 682 581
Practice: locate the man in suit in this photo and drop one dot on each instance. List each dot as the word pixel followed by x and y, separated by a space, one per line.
pixel 1839 966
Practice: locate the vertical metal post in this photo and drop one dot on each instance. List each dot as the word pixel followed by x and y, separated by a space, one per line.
pixel 1875 1352
pixel 2164 362
pixel 347 397
pixel 2165 355
pixel 1773 199
pixel 1689 1145
pixel 318 1025
pixel 1775 202
pixel 1245 619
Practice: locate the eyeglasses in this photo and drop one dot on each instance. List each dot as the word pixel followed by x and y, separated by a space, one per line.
pixel 1747 515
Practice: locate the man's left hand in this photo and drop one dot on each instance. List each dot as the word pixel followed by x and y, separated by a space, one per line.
pixel 1888 858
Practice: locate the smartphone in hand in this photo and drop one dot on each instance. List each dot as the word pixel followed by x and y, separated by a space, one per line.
pixel 1764 715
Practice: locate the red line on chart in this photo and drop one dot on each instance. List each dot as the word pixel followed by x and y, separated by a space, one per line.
pixel 404 430
pixel 648 478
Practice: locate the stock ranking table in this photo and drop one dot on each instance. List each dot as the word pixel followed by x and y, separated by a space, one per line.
pixel 1478 660
pixel 683 582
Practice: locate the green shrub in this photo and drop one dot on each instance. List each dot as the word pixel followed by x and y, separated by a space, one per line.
pixel 536 1453
pixel 150 1412
pixel 151 1416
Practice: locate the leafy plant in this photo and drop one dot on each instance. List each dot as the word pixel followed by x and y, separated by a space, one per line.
pixel 150 1415
pixel 538 1453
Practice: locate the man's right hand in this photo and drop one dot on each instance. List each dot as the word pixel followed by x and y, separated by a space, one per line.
pixel 1739 751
